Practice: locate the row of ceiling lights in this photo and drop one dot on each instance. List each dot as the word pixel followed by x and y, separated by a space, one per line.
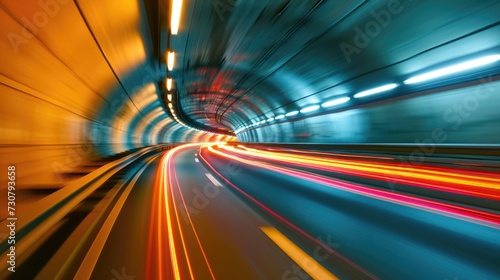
pixel 413 80
pixel 174 29
pixel 176 118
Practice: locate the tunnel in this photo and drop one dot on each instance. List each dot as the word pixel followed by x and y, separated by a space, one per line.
pixel 250 139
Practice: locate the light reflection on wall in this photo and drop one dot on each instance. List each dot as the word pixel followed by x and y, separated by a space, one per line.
pixel 66 97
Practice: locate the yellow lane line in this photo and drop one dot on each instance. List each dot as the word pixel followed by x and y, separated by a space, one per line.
pixel 306 262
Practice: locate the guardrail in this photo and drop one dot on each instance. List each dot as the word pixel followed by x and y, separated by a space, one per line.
pixel 36 221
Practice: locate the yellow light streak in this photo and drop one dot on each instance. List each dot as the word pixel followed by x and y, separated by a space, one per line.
pixel 176 16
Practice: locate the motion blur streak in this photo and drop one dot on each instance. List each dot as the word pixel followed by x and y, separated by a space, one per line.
pixel 174 205
pixel 168 180
pixel 154 250
pixel 164 185
pixel 353 265
pixel 480 184
pixel 160 207
pixel 88 264
pixel 98 98
pixel 175 182
pixel 468 214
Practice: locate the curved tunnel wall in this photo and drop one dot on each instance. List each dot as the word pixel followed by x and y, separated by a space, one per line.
pixel 467 114
pixel 262 59
pixel 78 81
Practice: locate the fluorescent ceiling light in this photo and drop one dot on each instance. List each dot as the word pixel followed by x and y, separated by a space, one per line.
pixel 170 105
pixel 292 113
pixel 453 69
pixel 279 117
pixel 375 90
pixel 334 102
pixel 176 16
pixel 169 84
pixel 170 60
pixel 263 121
pixel 270 119
pixel 169 97
pixel 310 109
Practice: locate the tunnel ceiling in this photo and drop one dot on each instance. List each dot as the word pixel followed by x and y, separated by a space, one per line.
pixel 238 61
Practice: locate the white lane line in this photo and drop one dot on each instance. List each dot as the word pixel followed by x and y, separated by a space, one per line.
pixel 213 180
pixel 196 159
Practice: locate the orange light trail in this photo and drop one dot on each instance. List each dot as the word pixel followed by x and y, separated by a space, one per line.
pixel 324 153
pixel 156 251
pixel 282 219
pixel 192 225
pixel 322 161
pixel 464 213
pixel 481 184
pixel 171 241
pixel 181 233
pixel 165 202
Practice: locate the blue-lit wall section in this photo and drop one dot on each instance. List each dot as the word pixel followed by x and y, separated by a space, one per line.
pixel 463 115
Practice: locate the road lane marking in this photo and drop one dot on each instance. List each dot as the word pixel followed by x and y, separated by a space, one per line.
pixel 306 262
pixel 344 259
pixel 213 180
pixel 196 159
